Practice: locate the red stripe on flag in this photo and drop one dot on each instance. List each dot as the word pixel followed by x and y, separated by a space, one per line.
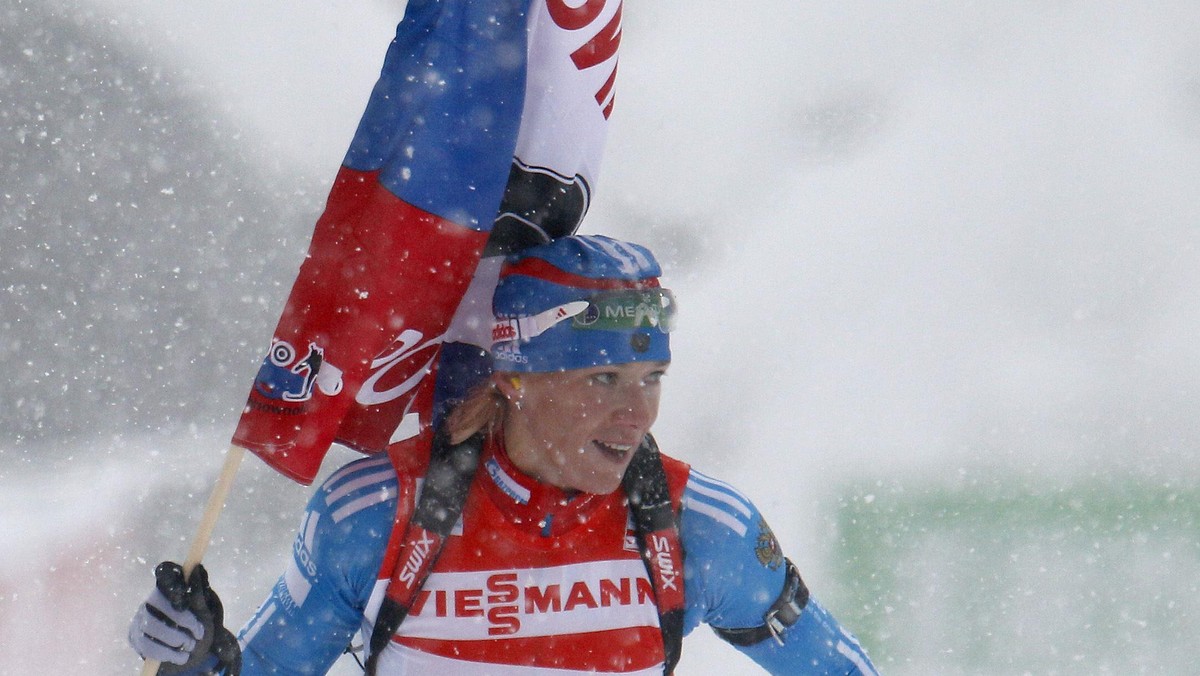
pixel 378 270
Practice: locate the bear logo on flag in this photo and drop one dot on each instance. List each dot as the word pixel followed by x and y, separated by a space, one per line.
pixel 285 377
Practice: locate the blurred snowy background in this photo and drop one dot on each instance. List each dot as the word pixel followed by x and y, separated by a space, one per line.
pixel 938 262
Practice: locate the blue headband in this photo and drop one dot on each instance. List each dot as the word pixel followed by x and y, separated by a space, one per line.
pixel 577 302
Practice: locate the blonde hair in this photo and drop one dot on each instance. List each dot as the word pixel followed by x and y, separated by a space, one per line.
pixel 482 410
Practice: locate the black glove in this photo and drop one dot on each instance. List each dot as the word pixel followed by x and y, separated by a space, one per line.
pixel 181 624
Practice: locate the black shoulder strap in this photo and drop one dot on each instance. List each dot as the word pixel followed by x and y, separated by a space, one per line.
pixel 451 469
pixel 657 527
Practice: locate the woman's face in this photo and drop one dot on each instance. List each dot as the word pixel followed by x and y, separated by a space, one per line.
pixel 578 429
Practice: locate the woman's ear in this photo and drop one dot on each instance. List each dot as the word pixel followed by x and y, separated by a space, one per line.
pixel 509 385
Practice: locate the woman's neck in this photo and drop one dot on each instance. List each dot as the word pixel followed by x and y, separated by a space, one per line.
pixel 522 451
pixel 545 508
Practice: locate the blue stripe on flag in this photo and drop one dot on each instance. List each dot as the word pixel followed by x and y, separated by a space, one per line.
pixel 441 124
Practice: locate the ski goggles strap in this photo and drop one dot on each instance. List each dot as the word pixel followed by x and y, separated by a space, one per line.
pixel 526 328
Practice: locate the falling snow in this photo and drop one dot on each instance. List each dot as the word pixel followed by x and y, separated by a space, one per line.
pixel 937 264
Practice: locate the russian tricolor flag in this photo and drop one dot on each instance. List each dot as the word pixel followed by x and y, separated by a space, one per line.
pixel 488 120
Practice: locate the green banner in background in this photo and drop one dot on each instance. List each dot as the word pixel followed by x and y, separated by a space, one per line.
pixel 1023 576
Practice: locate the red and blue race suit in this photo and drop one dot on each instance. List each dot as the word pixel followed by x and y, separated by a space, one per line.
pixel 532 580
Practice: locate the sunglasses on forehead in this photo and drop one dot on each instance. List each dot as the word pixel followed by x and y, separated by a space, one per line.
pixel 620 310
pixel 625 310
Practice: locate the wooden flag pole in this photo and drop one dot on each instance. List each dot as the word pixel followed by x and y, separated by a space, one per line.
pixel 208 521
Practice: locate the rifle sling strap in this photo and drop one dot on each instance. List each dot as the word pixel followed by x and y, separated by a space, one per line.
pixel 443 496
pixel 657 526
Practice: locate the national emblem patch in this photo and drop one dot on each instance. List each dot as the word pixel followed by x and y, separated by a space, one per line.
pixel 767 548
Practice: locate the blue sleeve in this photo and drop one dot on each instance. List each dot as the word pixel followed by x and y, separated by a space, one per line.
pixel 317 604
pixel 734 570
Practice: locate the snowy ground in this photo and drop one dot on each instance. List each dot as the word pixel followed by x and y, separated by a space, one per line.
pixel 916 245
